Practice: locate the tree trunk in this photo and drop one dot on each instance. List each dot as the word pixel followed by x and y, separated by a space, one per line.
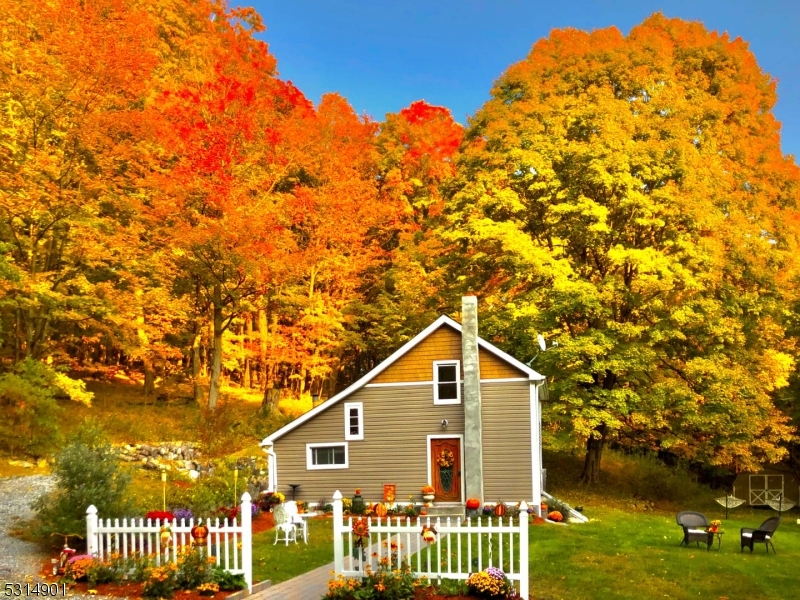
pixel 216 361
pixel 248 335
pixel 198 392
pixel 149 378
pixel 272 396
pixel 262 334
pixel 594 452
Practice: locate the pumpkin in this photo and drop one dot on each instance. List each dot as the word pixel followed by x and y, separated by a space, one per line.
pixel 199 533
pixel 473 503
pixel 381 510
pixel 500 509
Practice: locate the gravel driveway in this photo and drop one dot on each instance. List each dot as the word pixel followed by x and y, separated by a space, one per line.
pixel 22 561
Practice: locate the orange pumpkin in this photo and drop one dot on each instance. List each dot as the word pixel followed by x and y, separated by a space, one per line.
pixel 473 503
pixel 381 510
pixel 500 509
pixel 199 533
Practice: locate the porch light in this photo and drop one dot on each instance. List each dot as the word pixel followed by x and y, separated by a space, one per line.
pixel 444 423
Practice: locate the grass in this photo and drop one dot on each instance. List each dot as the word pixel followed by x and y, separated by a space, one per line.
pixel 280 562
pixel 630 556
pixel 618 554
pixel 128 417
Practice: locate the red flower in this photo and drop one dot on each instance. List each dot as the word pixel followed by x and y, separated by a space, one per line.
pixel 160 514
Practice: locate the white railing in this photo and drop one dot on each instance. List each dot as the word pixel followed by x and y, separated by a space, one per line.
pixel 462 547
pixel 231 543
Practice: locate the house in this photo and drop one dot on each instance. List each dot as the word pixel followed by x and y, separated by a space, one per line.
pixel 448 408
pixel 769 484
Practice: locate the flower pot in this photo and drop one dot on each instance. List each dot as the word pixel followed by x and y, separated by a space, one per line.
pixel 429 497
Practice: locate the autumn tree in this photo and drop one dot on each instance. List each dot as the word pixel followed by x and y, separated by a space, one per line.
pixel 627 197
pixel 219 169
pixel 70 73
pixel 417 148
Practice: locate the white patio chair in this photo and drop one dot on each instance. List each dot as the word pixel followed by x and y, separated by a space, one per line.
pixel 283 525
pixel 296 519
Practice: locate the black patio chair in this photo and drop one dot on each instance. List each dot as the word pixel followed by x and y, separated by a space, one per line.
pixel 694 526
pixel 762 535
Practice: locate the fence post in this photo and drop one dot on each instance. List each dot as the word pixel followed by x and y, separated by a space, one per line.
pixel 338 539
pixel 246 513
pixel 524 563
pixel 91 530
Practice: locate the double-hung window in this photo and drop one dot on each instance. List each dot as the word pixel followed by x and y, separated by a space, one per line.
pixel 446 382
pixel 354 420
pixel 327 456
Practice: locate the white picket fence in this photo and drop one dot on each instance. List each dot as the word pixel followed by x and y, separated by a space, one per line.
pixel 463 546
pixel 231 543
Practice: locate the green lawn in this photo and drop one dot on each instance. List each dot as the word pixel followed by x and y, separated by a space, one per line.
pixel 618 554
pixel 280 562
pixel 624 555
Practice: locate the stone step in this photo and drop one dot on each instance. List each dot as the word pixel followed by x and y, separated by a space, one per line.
pixel 445 510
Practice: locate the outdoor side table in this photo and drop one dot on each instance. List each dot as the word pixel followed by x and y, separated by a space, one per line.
pixel 711 535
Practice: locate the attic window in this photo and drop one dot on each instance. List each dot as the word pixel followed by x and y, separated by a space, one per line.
pixel 354 420
pixel 446 382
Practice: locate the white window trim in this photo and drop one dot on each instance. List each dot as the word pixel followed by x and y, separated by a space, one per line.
pixel 310 456
pixel 436 364
pixel 360 435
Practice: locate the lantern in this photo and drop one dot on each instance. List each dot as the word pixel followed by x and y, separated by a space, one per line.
pixel 199 534
pixel 500 509
pixel 381 510
pixel 473 503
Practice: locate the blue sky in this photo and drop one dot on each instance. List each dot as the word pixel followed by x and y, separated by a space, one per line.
pixel 383 55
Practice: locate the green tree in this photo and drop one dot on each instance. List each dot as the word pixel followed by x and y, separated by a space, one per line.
pixel 627 197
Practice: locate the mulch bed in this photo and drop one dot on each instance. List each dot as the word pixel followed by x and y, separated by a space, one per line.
pixel 134 590
pixel 430 594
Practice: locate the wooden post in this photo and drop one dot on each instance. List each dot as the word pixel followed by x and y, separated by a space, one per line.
pixel 246 513
pixel 338 539
pixel 91 531
pixel 524 583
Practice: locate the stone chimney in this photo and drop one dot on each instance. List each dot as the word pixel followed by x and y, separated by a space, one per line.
pixel 473 443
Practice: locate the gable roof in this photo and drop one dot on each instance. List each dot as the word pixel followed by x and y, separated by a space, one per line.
pixel 443 320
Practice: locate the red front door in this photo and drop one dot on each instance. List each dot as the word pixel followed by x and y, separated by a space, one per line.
pixel 446 469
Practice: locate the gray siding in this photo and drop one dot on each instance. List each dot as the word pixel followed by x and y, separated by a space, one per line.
pixel 506 417
pixel 397 421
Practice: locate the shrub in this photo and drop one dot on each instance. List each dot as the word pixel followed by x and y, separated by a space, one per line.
pixel 78 567
pixel 383 584
pixel 453 587
pixel 28 409
pixel 160 582
pixel 491 583
pixel 105 571
pixel 193 569
pixel 226 581
pixel 87 473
